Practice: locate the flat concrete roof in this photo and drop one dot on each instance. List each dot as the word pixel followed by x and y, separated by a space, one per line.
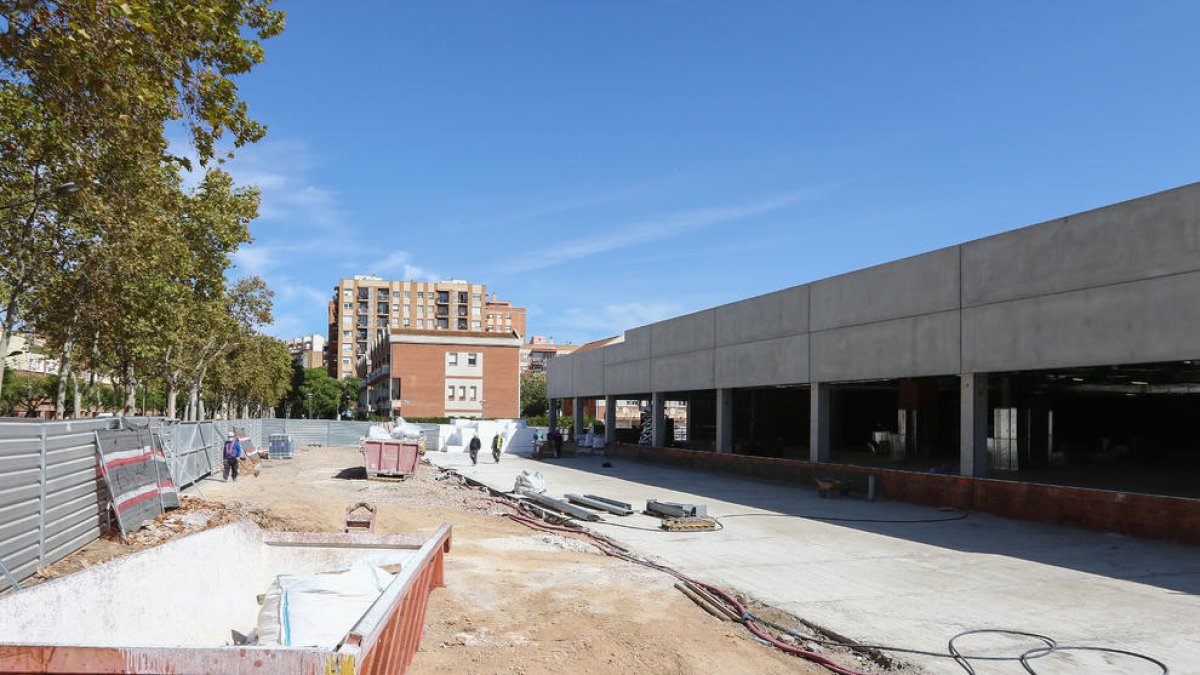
pixel 1115 285
pixel 906 584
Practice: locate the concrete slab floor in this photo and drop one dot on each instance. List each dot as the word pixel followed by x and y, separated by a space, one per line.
pixel 906 584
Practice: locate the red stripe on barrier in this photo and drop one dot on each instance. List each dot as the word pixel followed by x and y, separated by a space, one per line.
pixel 137 500
pixel 117 463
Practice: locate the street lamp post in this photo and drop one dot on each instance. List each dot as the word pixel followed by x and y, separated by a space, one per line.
pixel 309 397
pixel 60 191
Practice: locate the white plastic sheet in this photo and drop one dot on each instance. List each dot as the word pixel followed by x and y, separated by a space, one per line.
pixel 318 610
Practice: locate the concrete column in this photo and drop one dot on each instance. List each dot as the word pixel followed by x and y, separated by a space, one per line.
pixel 577 410
pixel 658 419
pixel 818 422
pixel 553 408
pixel 973 424
pixel 610 419
pixel 725 420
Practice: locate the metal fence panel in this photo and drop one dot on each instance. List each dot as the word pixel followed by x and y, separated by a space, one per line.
pixel 50 500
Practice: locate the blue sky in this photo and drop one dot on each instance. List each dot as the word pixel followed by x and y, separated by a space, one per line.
pixel 607 164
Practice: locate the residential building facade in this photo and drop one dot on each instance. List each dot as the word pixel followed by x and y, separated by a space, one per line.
pixel 538 351
pixel 442 373
pixel 367 308
pixel 308 351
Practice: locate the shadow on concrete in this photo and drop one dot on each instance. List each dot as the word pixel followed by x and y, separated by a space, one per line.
pixel 1165 565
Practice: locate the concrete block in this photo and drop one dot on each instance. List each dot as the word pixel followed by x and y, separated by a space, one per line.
pixel 922 284
pixel 1138 239
pixel 682 372
pixel 763 317
pixel 765 362
pixel 910 347
pixel 1136 322
pixel 624 379
pixel 588 372
pixel 635 346
pixel 687 333
pixel 559 377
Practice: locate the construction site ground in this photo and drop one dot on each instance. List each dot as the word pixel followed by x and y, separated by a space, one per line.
pixel 515 601
pixel 857 568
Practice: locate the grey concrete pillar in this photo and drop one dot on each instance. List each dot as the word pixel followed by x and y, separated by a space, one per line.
pixel 577 411
pixel 973 424
pixel 610 419
pixel 553 408
pixel 658 419
pixel 725 420
pixel 818 422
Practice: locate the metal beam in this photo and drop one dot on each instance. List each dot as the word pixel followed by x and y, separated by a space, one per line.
pixel 562 507
pixel 598 504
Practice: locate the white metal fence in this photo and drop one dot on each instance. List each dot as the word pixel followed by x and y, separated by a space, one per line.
pixel 52 497
pixel 325 433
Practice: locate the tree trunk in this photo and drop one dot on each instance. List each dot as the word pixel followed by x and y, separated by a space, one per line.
pixel 6 331
pixel 130 387
pixel 77 401
pixel 64 373
pixel 172 399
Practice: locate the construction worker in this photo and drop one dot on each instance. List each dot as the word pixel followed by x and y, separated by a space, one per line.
pixel 497 446
pixel 231 452
pixel 473 448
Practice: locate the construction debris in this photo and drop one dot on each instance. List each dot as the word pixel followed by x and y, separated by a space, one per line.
pixel 614 507
pixel 563 507
pixel 674 510
pixel 689 524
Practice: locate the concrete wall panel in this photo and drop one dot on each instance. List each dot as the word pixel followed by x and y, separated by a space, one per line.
pixel 682 372
pixel 1138 239
pixel 559 377
pixel 766 316
pixel 588 373
pixel 683 334
pixel 634 347
pixel 766 362
pixel 909 347
pixel 921 284
pixel 1136 322
pixel 627 378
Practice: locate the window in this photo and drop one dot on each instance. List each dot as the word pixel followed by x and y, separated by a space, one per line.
pixel 443 297
pixel 472 360
pixel 475 298
pixel 405 322
pixel 462 298
pixel 348 305
pixel 346 347
pixel 383 308
pixel 363 294
pixel 474 324
pixel 346 361
pixel 396 321
pixel 346 334
pixel 474 311
pixel 395 294
pixel 474 393
pixel 420 295
pixel 420 323
pixel 347 319
pixel 462 324
pixel 420 310
pixel 407 295
pixel 450 392
pixel 346 294
pixel 404 309
pixel 362 306
pixel 452 358
pixel 443 323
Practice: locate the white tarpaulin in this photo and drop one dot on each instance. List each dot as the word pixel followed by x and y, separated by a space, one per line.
pixel 318 610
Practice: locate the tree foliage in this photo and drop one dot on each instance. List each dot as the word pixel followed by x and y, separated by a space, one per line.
pixel 127 278
pixel 533 394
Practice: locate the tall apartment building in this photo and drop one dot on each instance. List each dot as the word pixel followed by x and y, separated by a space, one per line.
pixel 367 308
pixel 308 351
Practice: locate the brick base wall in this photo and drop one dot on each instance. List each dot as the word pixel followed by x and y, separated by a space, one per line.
pixel 1139 515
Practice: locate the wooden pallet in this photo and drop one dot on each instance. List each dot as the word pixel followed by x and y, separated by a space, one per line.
pixel 689 524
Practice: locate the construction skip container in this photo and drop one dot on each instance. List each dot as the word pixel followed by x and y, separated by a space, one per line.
pixel 171 608
pixel 386 457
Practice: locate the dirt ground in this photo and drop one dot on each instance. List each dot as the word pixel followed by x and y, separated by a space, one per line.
pixel 516 600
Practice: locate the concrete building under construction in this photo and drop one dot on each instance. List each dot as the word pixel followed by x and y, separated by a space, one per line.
pixel 1065 353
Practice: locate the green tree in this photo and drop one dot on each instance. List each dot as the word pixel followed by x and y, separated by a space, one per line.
pixel 349 393
pixel 86 91
pixel 533 394
pixel 318 393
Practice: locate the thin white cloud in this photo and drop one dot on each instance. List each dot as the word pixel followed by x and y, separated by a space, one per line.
pixel 655 229
pixel 400 263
